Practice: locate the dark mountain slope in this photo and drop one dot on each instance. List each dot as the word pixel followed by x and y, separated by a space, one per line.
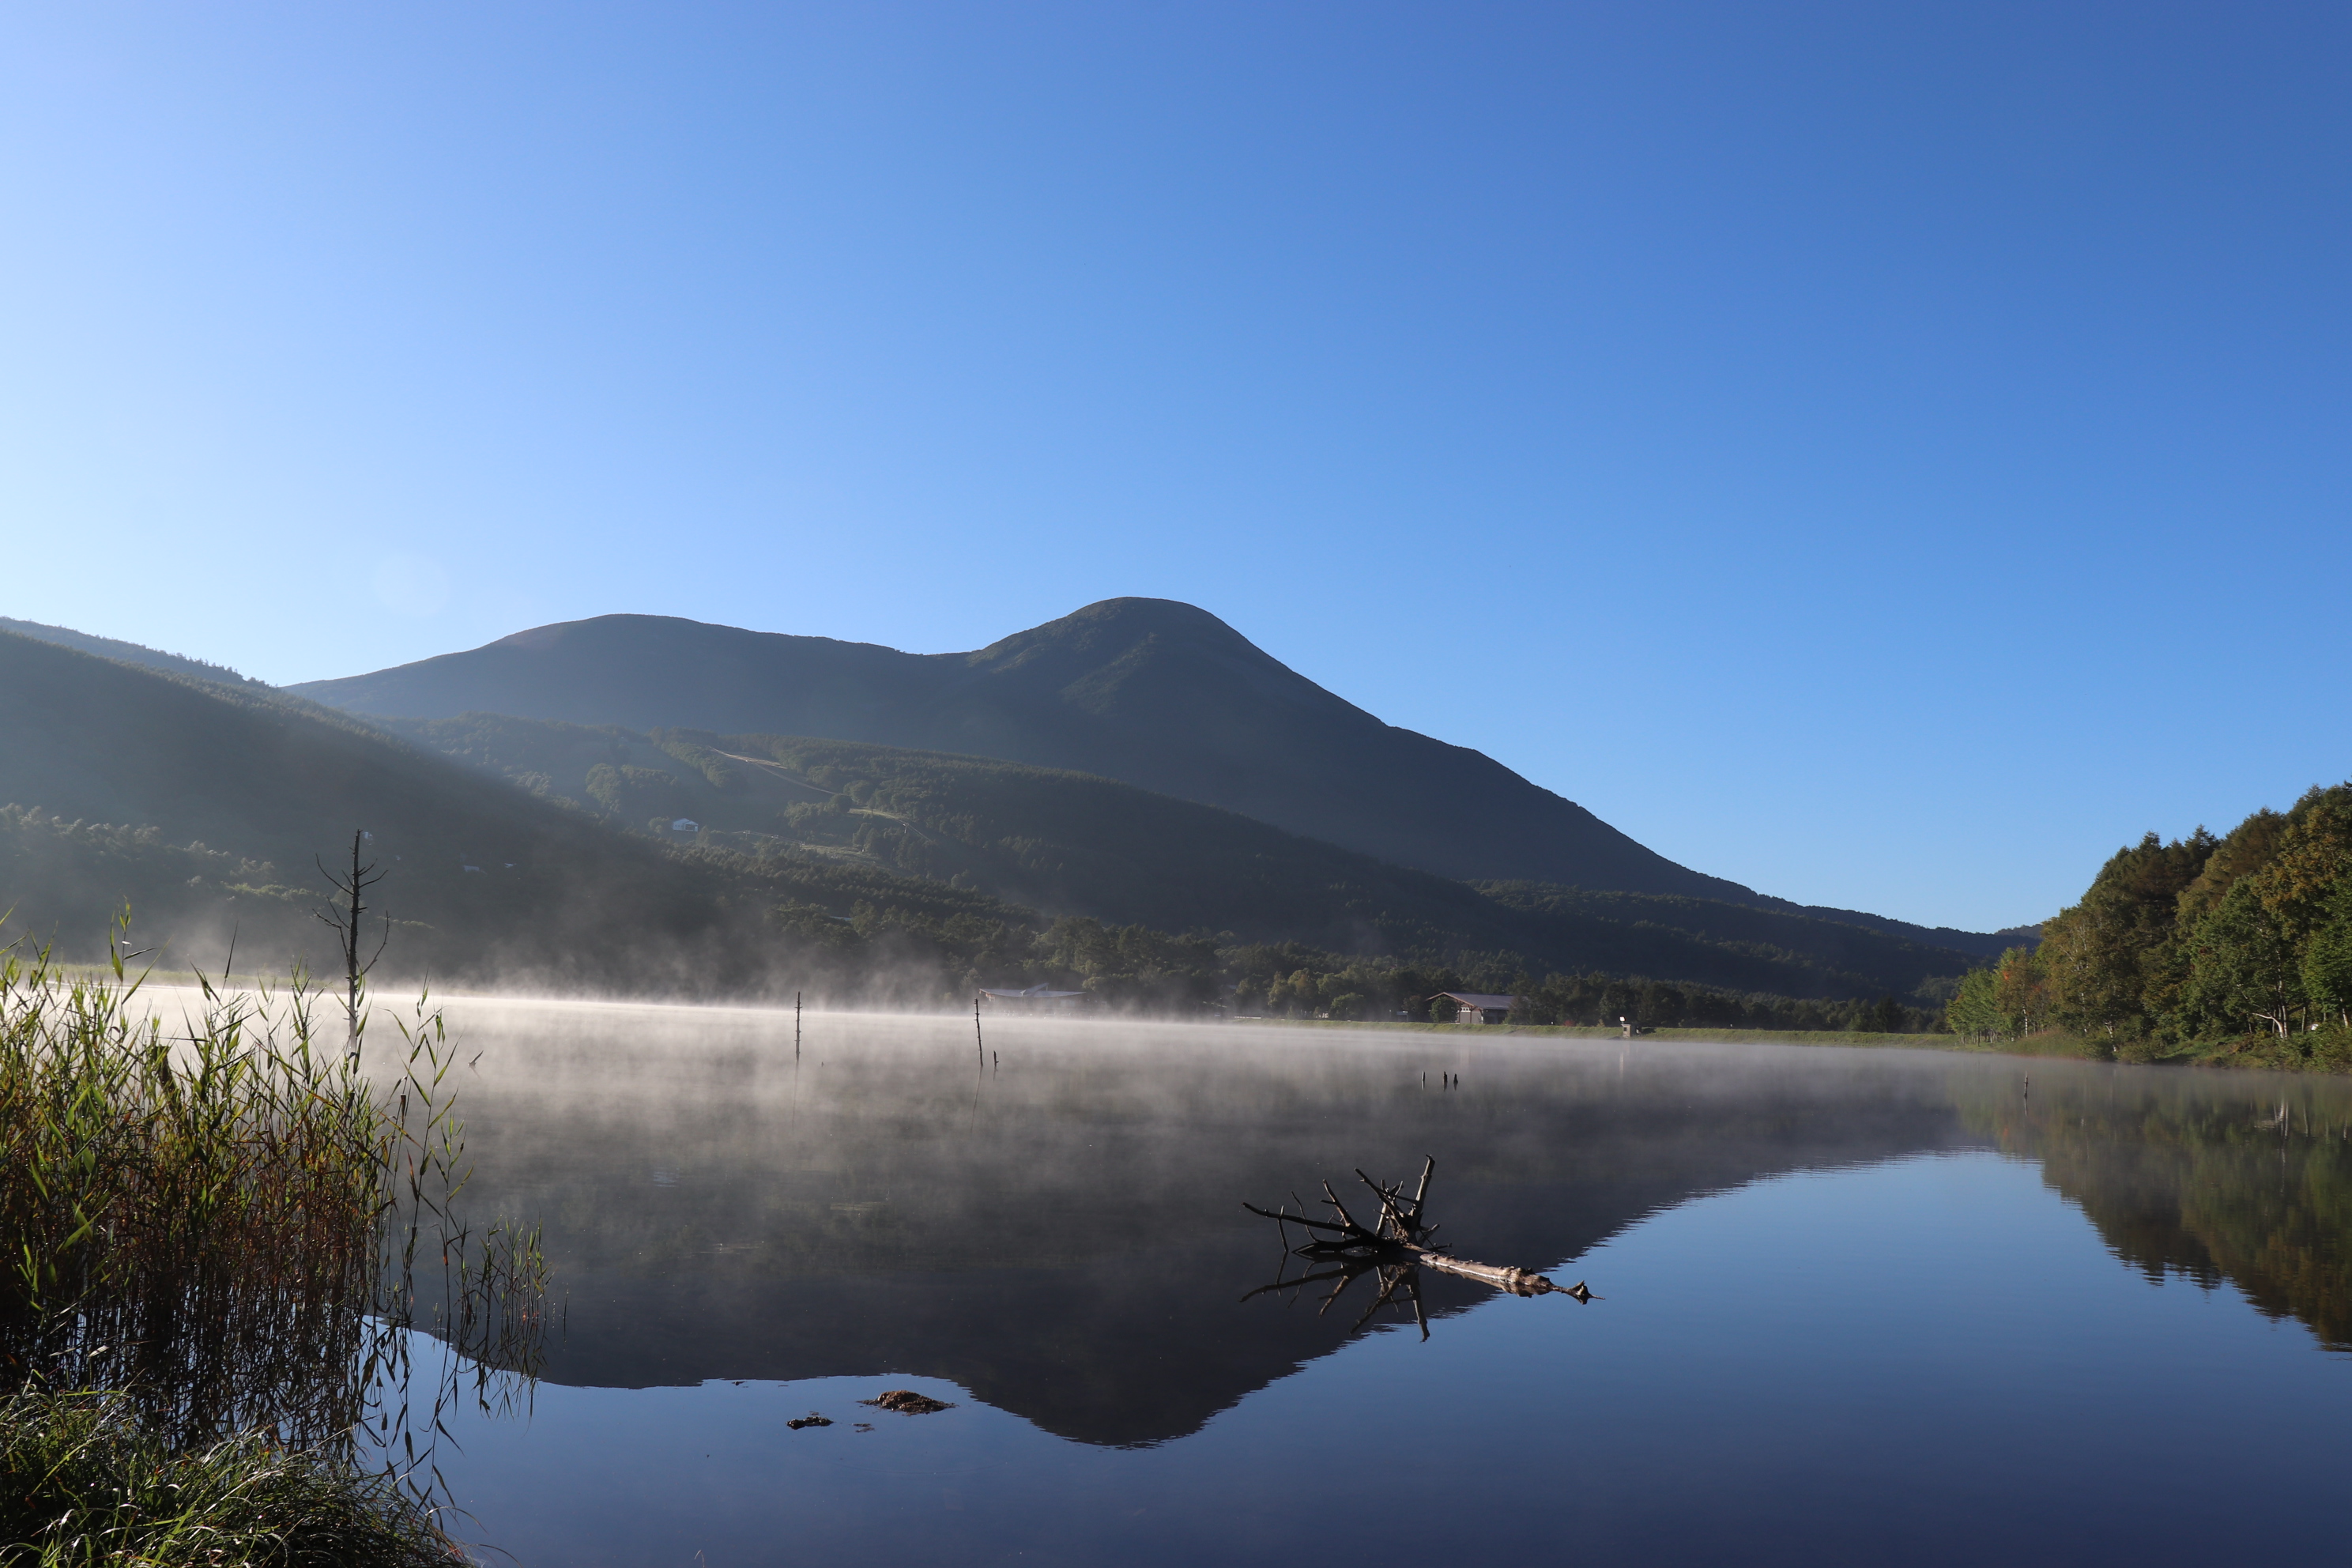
pixel 1069 843
pixel 1148 691
pixel 220 797
pixel 1804 937
pixel 128 652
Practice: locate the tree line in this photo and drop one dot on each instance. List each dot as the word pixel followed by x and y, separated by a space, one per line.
pixel 2190 941
pixel 1135 967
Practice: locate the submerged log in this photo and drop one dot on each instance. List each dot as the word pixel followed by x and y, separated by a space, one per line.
pixel 1396 1244
pixel 1517 1281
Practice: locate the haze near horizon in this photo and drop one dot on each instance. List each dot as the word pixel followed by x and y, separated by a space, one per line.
pixel 1869 456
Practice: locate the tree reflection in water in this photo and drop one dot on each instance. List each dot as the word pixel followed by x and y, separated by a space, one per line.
pixel 2192 1173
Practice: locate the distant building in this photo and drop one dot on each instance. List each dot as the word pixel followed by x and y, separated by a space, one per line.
pixel 1477 1007
pixel 686 825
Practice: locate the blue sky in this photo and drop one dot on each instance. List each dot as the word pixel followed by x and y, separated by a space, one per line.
pixel 1887 455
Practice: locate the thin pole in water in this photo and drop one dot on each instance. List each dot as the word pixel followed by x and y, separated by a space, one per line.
pixel 796 1025
pixel 977 1043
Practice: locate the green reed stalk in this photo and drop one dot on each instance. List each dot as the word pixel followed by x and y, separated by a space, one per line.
pixel 226 1226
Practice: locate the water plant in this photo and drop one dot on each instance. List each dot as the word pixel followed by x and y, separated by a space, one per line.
pixel 231 1234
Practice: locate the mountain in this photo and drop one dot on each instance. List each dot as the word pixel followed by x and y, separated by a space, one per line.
pixel 540 851
pixel 1148 691
pixel 535 851
pixel 205 804
pixel 127 652
pixel 1072 844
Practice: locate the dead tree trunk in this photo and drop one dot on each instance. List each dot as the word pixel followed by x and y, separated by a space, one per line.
pixel 345 920
pixel 1517 1281
pixel 1397 1243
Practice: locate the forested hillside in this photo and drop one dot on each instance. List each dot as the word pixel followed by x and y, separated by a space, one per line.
pixel 1069 844
pixel 204 806
pixel 1148 691
pixel 2195 941
pixel 127 652
pixel 545 854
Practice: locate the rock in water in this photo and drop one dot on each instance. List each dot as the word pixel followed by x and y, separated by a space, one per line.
pixel 907 1402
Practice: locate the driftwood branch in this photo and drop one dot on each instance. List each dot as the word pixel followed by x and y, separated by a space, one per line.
pixel 1394 1247
pixel 1298 1219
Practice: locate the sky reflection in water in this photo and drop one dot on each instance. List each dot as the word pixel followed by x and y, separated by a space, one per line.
pixel 1846 1320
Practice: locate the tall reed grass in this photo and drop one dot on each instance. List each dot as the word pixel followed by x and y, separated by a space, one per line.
pixel 231 1230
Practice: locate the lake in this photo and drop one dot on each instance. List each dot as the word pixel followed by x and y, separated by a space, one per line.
pixel 1853 1306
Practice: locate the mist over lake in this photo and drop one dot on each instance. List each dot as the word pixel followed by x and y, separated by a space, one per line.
pixel 1853 1305
pixel 1150 786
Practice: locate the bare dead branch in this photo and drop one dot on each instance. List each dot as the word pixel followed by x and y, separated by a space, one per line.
pixel 1395 1247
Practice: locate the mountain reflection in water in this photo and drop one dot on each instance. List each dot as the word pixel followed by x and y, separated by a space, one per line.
pixel 1855 1306
pixel 1063 1234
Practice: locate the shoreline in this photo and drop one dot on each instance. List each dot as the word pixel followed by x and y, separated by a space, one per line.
pixel 2330 1053
pixel 2327 1052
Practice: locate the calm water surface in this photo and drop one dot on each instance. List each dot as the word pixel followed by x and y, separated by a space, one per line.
pixel 1856 1307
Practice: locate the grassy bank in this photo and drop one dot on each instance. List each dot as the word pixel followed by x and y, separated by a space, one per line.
pixel 2322 1051
pixel 86 1480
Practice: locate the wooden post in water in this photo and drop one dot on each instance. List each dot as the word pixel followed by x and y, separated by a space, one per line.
pixel 796 1025
pixel 978 1044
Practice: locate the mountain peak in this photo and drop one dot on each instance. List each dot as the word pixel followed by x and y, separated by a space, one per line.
pixel 1154 692
pixel 1119 649
pixel 1117 622
pixel 1163 615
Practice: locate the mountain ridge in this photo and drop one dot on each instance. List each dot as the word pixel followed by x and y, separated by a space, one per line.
pixel 1151 692
pixel 1080 845
pixel 538 854
pixel 127 652
pixel 205 804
